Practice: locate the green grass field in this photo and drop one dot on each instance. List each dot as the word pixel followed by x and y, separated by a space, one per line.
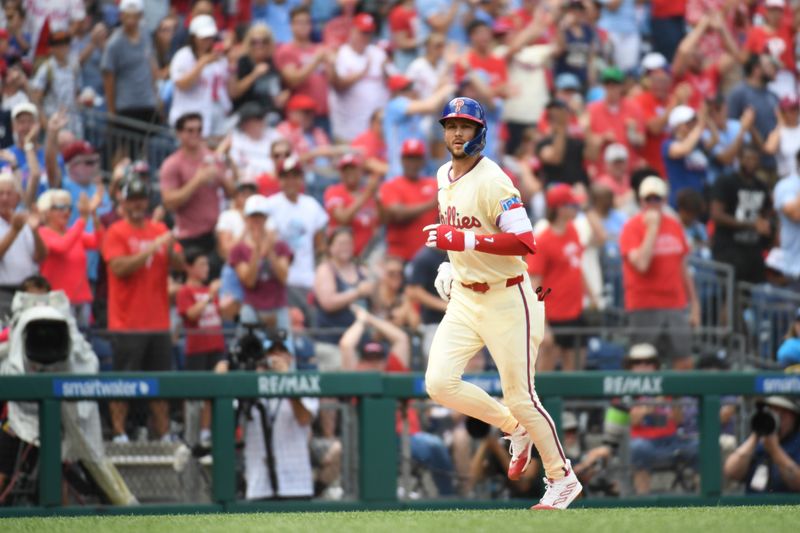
pixel 777 519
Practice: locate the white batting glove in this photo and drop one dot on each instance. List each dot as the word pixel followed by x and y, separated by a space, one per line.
pixel 444 281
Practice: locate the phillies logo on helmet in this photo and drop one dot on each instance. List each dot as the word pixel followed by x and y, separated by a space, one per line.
pixel 458 104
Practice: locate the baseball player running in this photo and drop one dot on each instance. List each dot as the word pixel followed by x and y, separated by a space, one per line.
pixel 486 232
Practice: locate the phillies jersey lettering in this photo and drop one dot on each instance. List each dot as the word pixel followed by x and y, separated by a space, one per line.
pixel 453 218
pixel 475 202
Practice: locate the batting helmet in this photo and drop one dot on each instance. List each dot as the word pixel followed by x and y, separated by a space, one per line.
pixel 462 107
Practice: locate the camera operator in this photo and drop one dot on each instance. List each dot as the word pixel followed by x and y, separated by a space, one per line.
pixel 277 433
pixel 768 460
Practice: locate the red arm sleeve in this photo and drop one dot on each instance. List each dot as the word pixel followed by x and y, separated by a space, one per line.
pixel 506 243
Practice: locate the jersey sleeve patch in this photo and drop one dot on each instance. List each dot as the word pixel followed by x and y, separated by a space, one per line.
pixel 510 203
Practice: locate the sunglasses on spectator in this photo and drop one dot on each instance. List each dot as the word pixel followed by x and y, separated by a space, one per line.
pixel 653 199
pixel 192 130
pixel 260 41
pixel 281 155
pixel 61 207
pixel 88 162
pixel 394 273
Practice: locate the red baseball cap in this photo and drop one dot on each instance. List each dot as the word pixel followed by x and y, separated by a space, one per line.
pixel 364 22
pixel 560 195
pixel 413 148
pixel 398 82
pixel 349 159
pixel 301 102
pixel 502 25
pixel 76 148
pixel 789 102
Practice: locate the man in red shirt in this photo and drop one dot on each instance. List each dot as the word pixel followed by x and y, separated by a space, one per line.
pixel 408 203
pixel 774 36
pixel 556 265
pixel 304 66
pixel 655 103
pixel 691 66
pixel 657 283
pixel 615 119
pixel 192 179
pixel 350 204
pixel 139 253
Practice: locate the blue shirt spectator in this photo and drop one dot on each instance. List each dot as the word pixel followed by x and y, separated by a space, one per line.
pixel 727 136
pixel 276 16
pixel 787 192
pixel 398 127
pixel 684 172
pixel 456 31
pixel 622 20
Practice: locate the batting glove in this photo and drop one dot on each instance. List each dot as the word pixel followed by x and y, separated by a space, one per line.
pixel 446 237
pixel 444 281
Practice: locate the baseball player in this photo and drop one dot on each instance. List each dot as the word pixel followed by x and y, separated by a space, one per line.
pixel 486 232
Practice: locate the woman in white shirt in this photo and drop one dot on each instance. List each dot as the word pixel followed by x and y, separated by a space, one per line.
pixel 200 71
pixel 784 141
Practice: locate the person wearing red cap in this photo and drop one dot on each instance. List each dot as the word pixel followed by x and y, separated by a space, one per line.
pixel 402 117
pixel 352 204
pixel 408 203
pixel 557 265
pixel 402 21
pixel 309 142
pixel 358 80
pixel 337 30
pixel 784 141
pixel 304 66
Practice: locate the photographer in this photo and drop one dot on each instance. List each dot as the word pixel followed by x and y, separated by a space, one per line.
pixel 277 432
pixel 768 460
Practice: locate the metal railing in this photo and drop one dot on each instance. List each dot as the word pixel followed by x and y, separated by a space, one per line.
pixel 116 136
pixel 378 397
pixel 766 313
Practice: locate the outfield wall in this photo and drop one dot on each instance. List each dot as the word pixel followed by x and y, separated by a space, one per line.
pixel 377 396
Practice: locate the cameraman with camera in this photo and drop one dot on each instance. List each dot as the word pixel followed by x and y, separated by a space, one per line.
pixel 768 460
pixel 277 431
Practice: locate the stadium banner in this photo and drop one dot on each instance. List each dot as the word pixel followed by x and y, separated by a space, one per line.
pixel 778 384
pixel 105 388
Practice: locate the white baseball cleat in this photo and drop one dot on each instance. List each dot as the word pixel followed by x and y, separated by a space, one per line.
pixel 560 493
pixel 521 448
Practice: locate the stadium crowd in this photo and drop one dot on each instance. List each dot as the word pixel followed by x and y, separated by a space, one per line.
pixel 306 149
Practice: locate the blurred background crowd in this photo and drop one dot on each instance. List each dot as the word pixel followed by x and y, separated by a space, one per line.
pixel 184 170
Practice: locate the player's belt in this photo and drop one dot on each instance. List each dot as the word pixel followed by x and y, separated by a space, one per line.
pixel 484 287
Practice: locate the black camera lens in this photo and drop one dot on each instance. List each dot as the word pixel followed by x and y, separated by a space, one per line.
pixel 763 422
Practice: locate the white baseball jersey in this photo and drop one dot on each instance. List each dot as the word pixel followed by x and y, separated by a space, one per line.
pixel 474 202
